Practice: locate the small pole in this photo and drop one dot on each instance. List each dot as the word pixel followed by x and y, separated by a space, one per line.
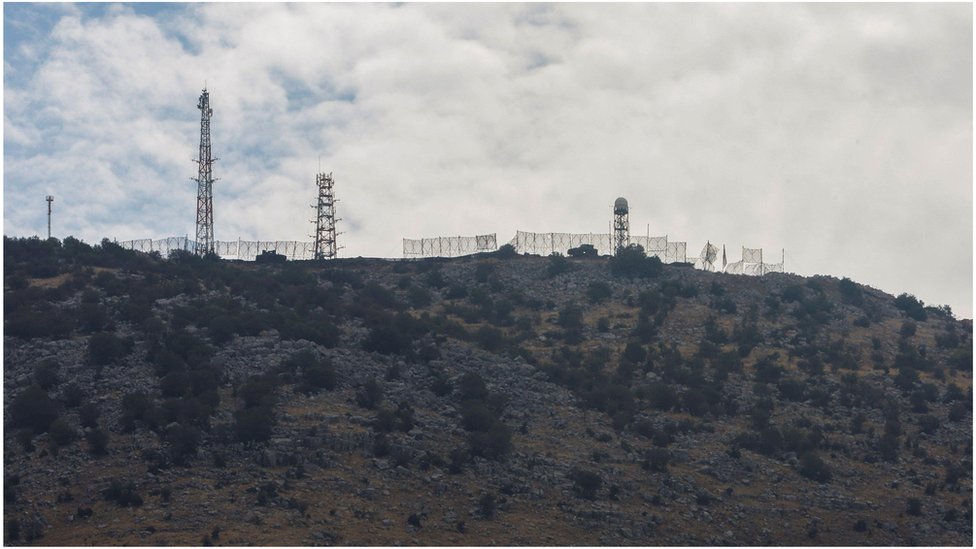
pixel 50 199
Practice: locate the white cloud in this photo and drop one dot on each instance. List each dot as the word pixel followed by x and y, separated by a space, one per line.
pixel 840 132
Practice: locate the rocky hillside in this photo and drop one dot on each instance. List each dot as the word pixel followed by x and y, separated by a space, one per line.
pixel 484 400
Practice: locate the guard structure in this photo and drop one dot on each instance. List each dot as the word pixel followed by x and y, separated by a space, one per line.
pixel 205 230
pixel 326 246
pixel 621 224
pixel 49 199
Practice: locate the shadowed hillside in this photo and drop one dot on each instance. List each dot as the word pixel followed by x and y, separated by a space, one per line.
pixel 496 399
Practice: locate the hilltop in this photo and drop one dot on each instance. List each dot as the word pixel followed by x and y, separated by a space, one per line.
pixel 491 399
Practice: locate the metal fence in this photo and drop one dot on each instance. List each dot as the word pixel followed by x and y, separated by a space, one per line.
pixel 245 250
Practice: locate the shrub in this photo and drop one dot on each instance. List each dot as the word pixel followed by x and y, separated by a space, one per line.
pixel 33 409
pixel 88 414
pixel 656 459
pixel 46 374
pixel 97 442
pixel 183 442
pixel 489 338
pixel 914 506
pixel 958 411
pixel 254 424
pixel 370 395
pixel 911 306
pixel 472 387
pixel 486 505
pixel 586 483
pixel 475 416
pixel 584 251
pixel 506 251
pixel 632 262
pixel 124 495
pixel 814 468
pixel 557 265
pixel 62 433
pixel 105 348
pixel 493 444
pixel 598 291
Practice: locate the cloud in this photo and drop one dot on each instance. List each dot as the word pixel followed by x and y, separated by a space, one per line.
pixel 842 133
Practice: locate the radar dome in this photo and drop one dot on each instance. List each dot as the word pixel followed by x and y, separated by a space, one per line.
pixel 620 206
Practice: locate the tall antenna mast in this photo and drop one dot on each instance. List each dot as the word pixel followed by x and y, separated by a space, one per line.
pixel 205 230
pixel 50 199
pixel 621 225
pixel 325 219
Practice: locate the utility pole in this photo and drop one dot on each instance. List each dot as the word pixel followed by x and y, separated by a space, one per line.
pixel 204 179
pixel 50 199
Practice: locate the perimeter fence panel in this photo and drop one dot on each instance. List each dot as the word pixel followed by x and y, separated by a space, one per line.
pixel 449 246
pixel 751 255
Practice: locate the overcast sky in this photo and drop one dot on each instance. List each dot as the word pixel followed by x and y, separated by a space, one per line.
pixel 842 133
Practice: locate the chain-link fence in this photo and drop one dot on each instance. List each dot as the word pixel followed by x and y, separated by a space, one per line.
pixel 245 250
pixel 549 243
pixel 449 246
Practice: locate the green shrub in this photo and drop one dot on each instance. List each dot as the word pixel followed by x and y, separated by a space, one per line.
pixel 97 442
pixel 584 251
pixel 370 395
pixel 506 251
pixel 493 444
pixel 46 374
pixel 33 409
pixel 106 348
pixel 62 433
pixel 586 483
pixel 557 265
pixel 254 424
pixel 632 262
pixel 814 468
pixel 124 495
pixel 598 292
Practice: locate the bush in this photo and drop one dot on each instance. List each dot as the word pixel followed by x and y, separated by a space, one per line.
pixel 814 468
pixel 586 483
pixel 911 306
pixel 370 395
pixel 46 374
pixel 254 424
pixel 598 291
pixel 33 409
pixel 472 387
pixel 475 416
pixel 124 495
pixel 506 251
pixel 493 444
pixel 61 433
pixel 632 262
pixel 584 251
pixel 914 507
pixel 489 338
pixel 105 348
pixel 557 266
pixel 656 459
pixel 97 442
pixel 183 442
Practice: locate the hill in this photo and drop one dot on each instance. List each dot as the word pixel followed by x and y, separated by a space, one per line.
pixel 474 401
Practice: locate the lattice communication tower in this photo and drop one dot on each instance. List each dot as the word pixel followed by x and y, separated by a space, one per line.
pixel 325 219
pixel 621 224
pixel 205 179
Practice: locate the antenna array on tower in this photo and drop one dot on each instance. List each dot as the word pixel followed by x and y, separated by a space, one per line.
pixel 204 179
pixel 325 220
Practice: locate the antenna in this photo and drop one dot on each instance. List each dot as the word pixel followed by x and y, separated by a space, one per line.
pixel 325 219
pixel 204 179
pixel 49 199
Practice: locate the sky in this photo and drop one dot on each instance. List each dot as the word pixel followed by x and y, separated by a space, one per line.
pixel 842 133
